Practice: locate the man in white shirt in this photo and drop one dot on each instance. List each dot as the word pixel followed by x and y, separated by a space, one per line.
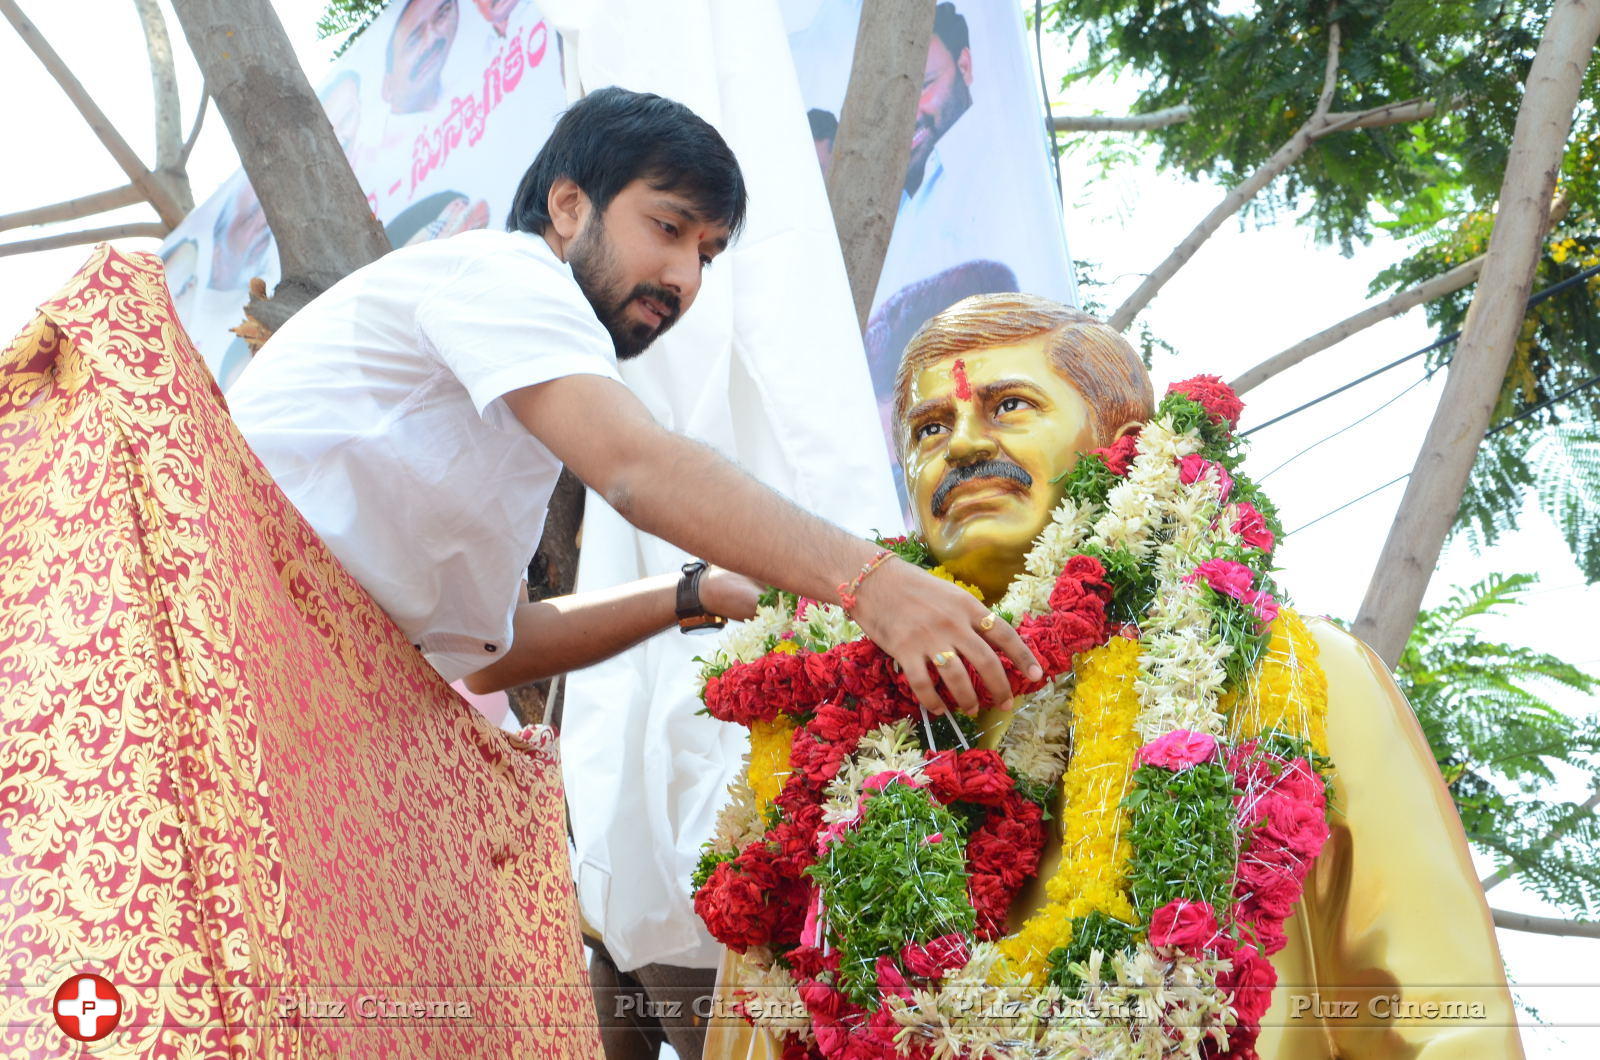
pixel 419 412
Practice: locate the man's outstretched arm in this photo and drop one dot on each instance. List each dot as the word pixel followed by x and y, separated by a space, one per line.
pixel 565 633
pixel 686 493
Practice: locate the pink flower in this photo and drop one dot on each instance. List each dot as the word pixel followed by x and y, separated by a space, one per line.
pixel 1194 467
pixel 1238 581
pixel 1251 526
pixel 881 780
pixel 929 840
pixel 1177 750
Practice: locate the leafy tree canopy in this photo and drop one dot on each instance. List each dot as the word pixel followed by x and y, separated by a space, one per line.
pixel 1499 741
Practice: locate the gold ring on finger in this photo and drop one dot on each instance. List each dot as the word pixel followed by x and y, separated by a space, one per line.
pixel 986 623
pixel 943 657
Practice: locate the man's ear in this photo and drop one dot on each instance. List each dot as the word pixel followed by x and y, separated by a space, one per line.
pixel 567 205
pixel 1127 428
pixel 964 64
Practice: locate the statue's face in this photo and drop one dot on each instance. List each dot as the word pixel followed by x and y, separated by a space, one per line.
pixel 984 436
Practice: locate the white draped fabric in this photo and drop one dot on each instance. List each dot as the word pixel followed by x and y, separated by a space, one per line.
pixel 767 368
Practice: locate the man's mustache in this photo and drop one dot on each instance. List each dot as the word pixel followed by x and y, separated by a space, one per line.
pixel 984 469
pixel 439 44
pixel 663 297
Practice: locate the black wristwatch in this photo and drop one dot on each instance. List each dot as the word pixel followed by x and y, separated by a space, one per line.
pixel 692 615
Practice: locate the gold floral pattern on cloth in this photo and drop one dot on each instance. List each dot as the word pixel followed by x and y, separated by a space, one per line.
pixel 227 782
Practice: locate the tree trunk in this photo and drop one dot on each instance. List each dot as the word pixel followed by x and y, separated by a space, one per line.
pixel 553 572
pixel 1433 495
pixel 873 145
pixel 313 204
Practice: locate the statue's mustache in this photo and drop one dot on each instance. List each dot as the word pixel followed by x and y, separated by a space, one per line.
pixel 984 469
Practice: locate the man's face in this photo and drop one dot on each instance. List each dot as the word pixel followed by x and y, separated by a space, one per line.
pixel 417 51
pixel 984 435
pixel 946 95
pixel 640 262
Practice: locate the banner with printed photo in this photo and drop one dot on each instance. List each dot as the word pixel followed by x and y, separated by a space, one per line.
pixel 979 211
pixel 440 106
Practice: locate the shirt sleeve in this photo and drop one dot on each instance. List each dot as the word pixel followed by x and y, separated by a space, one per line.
pixel 506 321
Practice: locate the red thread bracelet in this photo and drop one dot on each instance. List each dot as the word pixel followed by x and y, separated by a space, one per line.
pixel 847 590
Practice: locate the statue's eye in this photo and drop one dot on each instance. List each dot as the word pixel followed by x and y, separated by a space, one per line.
pixel 1013 404
pixel 927 430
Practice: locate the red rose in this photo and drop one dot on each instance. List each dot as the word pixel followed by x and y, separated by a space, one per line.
pixel 943 954
pixel 1298 828
pixel 836 724
pixel 890 981
pixel 1185 925
pixel 731 905
pixel 991 899
pixel 1213 395
pixel 808 962
pixel 1266 885
pixel 1118 456
pixel 1253 979
pixel 1194 467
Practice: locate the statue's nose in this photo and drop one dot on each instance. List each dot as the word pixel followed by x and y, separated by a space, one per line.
pixel 969 441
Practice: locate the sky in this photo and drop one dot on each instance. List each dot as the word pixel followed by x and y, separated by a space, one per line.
pixel 1247 294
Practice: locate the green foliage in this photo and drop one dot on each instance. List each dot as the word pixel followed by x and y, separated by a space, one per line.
pixel 1499 742
pixel 1182 836
pixel 1253 72
pixel 884 885
pixel 908 547
pixel 1097 931
pixel 350 17
pixel 709 860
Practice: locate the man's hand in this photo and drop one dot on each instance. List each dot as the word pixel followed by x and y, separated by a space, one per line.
pixel 722 592
pixel 914 616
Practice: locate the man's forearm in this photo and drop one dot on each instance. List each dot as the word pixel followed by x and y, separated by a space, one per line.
pixel 550 637
pixel 690 495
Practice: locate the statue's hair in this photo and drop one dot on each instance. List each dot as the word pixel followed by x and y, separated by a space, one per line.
pixel 1093 357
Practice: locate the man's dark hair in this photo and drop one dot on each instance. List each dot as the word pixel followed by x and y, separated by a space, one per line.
pixel 612 137
pixel 824 126
pixel 950 28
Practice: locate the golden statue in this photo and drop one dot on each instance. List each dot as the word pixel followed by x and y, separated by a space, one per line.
pixel 1391 949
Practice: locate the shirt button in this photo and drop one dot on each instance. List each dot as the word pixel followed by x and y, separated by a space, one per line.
pixel 490 648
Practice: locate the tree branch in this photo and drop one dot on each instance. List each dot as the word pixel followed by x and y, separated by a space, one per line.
pixel 154 189
pixel 82 206
pixel 1330 76
pixel 1438 287
pixel 1546 925
pixel 199 120
pixel 163 83
pixel 152 229
pixel 1566 825
pixel 1156 119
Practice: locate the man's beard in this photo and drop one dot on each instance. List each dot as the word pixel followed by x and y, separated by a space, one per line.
pixel 594 266
pixel 956 105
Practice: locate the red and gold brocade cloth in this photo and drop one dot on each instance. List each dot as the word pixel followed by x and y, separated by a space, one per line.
pixel 227 782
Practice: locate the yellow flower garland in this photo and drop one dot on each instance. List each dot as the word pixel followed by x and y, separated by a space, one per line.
pixel 1092 874
pixel 770 742
pixel 1287 690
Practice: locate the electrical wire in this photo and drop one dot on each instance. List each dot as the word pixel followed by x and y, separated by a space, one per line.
pixel 1533 300
pixel 1348 503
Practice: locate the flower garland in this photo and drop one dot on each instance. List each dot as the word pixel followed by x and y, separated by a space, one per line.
pixel 868 858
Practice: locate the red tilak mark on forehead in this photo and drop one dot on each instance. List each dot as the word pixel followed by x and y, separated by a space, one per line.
pixel 963 388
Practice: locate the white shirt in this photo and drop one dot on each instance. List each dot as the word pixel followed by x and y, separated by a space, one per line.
pixel 376 408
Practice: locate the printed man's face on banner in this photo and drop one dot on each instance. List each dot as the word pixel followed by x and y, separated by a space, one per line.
pixel 417 51
pixel 242 239
pixel 985 433
pixel 946 95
